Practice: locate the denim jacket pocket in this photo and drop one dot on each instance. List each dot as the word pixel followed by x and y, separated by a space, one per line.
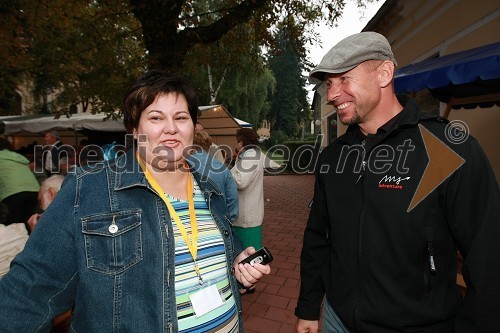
pixel 112 241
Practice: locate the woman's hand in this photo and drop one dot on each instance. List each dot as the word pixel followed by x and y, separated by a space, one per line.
pixel 247 274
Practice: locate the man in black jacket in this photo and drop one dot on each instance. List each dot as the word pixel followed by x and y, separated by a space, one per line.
pixel 395 197
pixel 57 155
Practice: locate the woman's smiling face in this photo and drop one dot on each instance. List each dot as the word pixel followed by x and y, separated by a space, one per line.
pixel 165 132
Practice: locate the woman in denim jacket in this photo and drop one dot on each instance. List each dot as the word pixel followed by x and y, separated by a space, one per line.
pixel 142 243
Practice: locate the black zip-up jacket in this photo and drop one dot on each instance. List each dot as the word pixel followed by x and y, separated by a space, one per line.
pixel 386 266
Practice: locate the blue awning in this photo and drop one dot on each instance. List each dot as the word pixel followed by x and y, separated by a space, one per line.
pixel 458 68
pixel 464 74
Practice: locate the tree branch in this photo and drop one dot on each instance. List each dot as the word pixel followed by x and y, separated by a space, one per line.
pixel 214 31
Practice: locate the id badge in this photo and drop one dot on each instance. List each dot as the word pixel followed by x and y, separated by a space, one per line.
pixel 206 300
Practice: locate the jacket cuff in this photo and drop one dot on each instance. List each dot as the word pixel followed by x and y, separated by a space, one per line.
pixel 307 313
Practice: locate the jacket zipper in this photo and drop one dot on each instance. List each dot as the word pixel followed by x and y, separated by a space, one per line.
pixel 430 269
pixel 430 252
pixel 362 173
pixel 359 247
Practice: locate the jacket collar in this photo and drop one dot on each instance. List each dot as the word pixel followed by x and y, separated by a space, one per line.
pixel 128 173
pixel 408 117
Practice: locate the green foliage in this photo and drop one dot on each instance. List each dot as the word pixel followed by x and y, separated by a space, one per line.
pixel 302 155
pixel 289 107
pixel 245 81
pixel 247 96
pixel 83 52
pixel 277 137
pixel 87 52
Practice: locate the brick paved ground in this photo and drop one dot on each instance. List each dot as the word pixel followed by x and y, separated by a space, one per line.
pixel 271 308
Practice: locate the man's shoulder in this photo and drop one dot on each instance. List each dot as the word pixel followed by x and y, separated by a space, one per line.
pixel 441 126
pixel 428 118
pixel 453 133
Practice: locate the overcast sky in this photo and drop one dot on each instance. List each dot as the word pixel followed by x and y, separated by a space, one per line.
pixel 353 20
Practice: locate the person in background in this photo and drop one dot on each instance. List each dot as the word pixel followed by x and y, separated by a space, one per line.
pixel 12 240
pixel 388 263
pixel 141 243
pixel 58 156
pixel 202 138
pixel 86 153
pixel 31 147
pixel 248 173
pixel 18 185
pixel 14 236
pixel 46 194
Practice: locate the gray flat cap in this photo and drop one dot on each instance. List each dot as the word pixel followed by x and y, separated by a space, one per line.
pixel 350 52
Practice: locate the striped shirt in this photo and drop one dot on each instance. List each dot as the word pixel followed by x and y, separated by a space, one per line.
pixel 213 268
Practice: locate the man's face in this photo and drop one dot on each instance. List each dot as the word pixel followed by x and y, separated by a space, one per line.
pixel 49 139
pixel 355 93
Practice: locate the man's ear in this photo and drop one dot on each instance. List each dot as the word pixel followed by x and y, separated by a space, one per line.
pixel 52 193
pixel 386 73
pixel 134 133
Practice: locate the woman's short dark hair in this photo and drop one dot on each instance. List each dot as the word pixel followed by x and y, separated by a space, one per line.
pixel 247 136
pixel 148 87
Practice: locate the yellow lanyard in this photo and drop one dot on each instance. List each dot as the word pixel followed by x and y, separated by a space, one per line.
pixel 191 242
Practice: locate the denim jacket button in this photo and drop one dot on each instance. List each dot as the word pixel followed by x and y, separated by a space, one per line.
pixel 226 233
pixel 113 228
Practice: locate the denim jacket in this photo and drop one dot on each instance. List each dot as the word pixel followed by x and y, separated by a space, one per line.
pixel 117 282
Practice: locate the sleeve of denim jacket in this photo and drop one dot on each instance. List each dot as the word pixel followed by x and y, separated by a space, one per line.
pixel 210 167
pixel 231 193
pixel 42 280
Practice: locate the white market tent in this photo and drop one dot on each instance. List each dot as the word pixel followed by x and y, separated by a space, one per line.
pixel 30 128
pixel 216 120
pixel 42 123
pixel 242 123
pixel 220 124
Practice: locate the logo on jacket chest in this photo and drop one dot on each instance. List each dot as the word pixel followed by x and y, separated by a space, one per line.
pixel 392 182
